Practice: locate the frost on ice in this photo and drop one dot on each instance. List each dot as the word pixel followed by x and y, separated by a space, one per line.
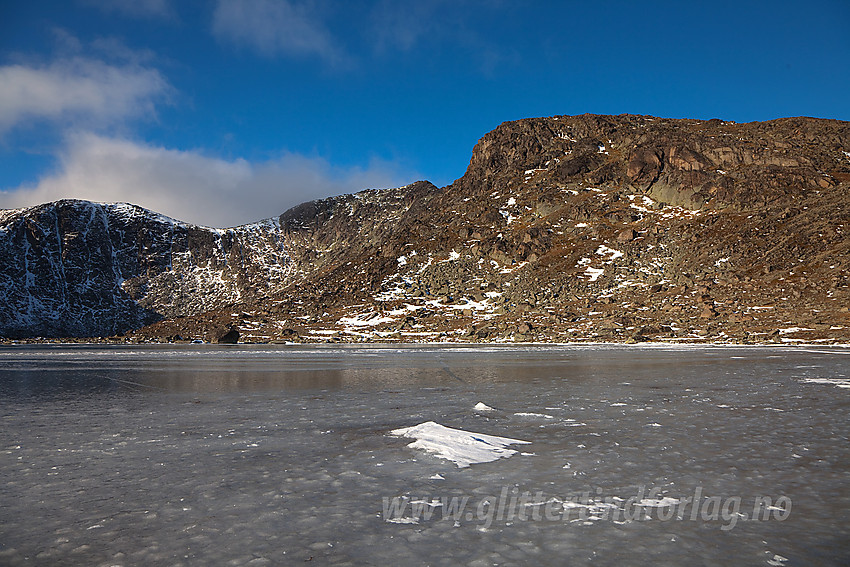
pixel 463 448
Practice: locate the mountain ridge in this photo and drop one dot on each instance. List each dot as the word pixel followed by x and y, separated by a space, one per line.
pixel 615 228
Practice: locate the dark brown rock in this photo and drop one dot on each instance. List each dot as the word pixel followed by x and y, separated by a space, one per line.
pixel 626 235
pixel 230 336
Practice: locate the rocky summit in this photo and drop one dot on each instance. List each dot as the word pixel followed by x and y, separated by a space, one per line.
pixel 568 228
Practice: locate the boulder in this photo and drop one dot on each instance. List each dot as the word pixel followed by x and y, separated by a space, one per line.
pixel 626 236
pixel 524 328
pixel 229 336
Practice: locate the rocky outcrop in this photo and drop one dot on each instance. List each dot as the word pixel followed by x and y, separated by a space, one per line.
pixel 681 162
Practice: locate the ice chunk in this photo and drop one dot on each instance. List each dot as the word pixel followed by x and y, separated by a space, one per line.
pixel 841 383
pixel 481 406
pixel 531 414
pixel 403 520
pixel 663 502
pixel 463 448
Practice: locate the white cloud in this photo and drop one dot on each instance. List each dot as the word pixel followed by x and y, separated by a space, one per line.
pixel 77 90
pixel 190 186
pixel 274 27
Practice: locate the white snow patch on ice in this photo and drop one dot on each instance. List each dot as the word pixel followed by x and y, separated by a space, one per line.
pixel 663 502
pixel 839 382
pixel 461 447
pixel 403 520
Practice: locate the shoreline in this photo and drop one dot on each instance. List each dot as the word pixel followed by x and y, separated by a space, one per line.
pixel 472 344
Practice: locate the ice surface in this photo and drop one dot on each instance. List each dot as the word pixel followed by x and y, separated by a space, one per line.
pixel 251 455
pixel 463 448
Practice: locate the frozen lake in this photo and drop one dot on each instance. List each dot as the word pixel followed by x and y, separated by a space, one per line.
pixel 220 455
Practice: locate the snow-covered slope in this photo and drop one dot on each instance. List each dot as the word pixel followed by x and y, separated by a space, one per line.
pixel 76 268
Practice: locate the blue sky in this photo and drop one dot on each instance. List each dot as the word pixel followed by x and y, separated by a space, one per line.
pixel 222 112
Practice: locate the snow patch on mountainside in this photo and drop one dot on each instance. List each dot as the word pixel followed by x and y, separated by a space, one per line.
pixel 76 268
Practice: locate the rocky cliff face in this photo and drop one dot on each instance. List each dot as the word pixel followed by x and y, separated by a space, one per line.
pixel 80 269
pixel 562 228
